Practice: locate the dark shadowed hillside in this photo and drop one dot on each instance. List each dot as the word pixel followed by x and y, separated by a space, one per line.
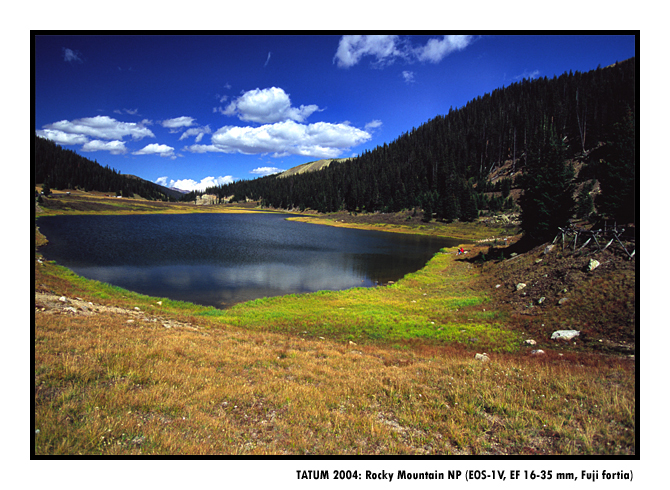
pixel 60 168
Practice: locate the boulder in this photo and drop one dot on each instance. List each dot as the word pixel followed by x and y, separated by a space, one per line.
pixel 529 342
pixel 564 334
pixel 482 357
pixel 520 286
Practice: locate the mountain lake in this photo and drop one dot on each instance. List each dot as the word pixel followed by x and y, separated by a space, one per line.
pixel 223 259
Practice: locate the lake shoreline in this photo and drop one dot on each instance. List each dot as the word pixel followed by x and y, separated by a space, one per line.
pixel 216 259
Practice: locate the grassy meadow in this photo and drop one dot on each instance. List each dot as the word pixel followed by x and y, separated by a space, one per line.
pixel 388 370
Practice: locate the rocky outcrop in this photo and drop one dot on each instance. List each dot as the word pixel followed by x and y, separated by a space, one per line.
pixel 206 200
pixel 51 304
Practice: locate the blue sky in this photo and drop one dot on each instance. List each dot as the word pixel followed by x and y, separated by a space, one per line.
pixel 194 111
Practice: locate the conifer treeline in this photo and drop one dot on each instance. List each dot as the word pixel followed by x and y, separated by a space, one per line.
pixel 60 168
pixel 443 165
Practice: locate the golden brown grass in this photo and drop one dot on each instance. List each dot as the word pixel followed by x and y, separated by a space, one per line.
pixel 166 380
pixel 105 385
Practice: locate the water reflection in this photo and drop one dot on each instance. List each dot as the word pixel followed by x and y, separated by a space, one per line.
pixel 220 260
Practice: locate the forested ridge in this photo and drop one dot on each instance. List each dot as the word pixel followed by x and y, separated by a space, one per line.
pixel 443 166
pixel 59 168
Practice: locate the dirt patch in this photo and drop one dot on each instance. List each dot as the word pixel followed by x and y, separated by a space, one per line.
pixel 554 290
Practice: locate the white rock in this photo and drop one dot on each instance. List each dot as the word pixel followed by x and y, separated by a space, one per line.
pixel 537 352
pixel 482 357
pixel 593 263
pixel 529 342
pixel 520 286
pixel 564 334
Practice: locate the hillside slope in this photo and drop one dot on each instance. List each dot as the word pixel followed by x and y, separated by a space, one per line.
pixel 311 166
pixel 444 165
pixel 60 168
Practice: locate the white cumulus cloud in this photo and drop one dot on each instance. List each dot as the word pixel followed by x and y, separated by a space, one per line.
pixel 197 132
pixel 323 140
pixel 177 123
pixel 102 127
pixel 61 137
pixel 163 181
pixel 193 185
pixel 386 49
pixel 267 105
pixel 156 149
pixel 115 147
pixel 436 49
pixel 352 48
pixel 266 171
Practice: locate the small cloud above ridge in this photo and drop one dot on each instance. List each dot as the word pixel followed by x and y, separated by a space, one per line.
pixel 263 171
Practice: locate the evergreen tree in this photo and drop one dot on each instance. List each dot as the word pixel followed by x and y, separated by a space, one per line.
pixel 616 173
pixel 428 203
pixel 469 210
pixel 547 201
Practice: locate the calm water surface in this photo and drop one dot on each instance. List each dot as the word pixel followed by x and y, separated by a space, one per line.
pixel 222 259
